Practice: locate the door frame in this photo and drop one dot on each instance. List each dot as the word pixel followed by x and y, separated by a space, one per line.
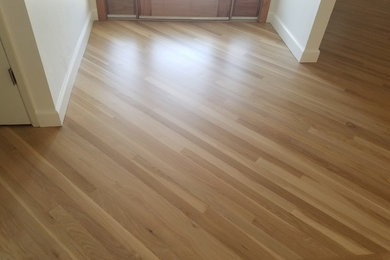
pixel 264 10
pixel 12 90
pixel 102 9
pixel 12 60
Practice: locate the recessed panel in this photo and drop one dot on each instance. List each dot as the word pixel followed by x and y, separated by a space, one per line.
pixel 246 8
pixel 199 8
pixel 122 7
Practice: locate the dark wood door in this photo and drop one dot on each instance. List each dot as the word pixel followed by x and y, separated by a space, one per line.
pixel 246 8
pixel 183 8
pixel 121 7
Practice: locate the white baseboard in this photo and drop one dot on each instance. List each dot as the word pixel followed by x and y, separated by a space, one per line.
pixel 48 118
pixel 67 86
pixel 95 16
pixel 301 54
pixel 310 56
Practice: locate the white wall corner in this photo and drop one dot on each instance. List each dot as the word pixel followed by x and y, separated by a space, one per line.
pixel 299 52
pixel 70 77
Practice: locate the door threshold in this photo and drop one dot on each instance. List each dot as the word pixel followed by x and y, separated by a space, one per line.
pixel 178 18
pixel 184 18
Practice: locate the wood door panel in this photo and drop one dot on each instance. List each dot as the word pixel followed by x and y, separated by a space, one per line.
pixel 224 8
pixel 101 6
pixel 183 8
pixel 201 8
pixel 247 8
pixel 207 8
pixel 121 7
pixel 264 9
pixel 145 7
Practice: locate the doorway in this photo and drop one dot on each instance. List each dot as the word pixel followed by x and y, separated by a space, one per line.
pixel 183 9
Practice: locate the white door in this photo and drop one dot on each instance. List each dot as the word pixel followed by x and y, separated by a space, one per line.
pixel 12 110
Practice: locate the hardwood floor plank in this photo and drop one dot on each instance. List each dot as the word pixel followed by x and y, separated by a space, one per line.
pixel 207 140
pixel 78 196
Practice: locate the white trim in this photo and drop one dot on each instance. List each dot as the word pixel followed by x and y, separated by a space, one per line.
pixel 95 16
pixel 310 56
pixel 192 18
pixel 300 53
pixel 9 49
pixel 244 18
pixel 270 16
pixel 67 85
pixel 132 16
pixel 48 118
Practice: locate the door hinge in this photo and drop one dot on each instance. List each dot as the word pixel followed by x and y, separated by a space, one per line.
pixel 12 76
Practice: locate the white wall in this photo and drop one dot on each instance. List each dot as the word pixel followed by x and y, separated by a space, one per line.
pixel 19 42
pixel 61 30
pixel 45 41
pixel 301 24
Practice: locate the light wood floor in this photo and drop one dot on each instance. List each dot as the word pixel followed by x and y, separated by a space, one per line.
pixel 209 141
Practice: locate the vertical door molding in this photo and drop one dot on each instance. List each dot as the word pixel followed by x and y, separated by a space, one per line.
pixel 137 5
pixel 232 4
pixel 264 9
pixel 9 48
pixel 102 9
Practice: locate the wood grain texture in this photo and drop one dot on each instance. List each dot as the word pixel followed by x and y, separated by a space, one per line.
pixel 145 7
pixel 209 141
pixel 102 9
pixel 246 8
pixel 224 8
pixel 264 10
pixel 201 8
pixel 183 8
pixel 127 7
